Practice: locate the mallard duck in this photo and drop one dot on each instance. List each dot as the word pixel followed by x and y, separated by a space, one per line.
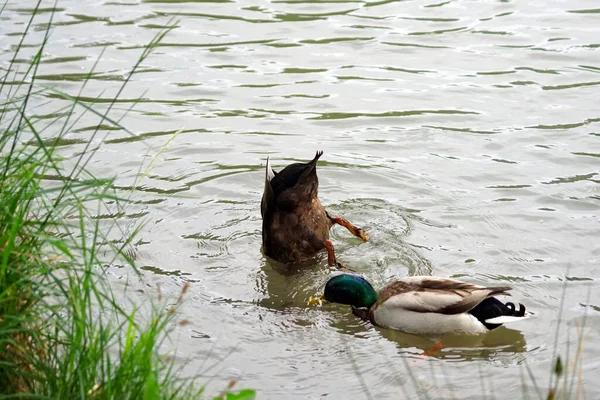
pixel 295 224
pixel 425 304
pixel 422 304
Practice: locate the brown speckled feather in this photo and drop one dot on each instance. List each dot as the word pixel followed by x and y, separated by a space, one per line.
pixel 295 223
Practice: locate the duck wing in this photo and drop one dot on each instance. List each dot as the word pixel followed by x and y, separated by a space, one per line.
pixel 437 295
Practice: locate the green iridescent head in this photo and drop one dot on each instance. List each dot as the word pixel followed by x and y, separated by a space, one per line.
pixel 350 289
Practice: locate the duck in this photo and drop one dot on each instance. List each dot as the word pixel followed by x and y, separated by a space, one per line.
pixel 295 225
pixel 425 305
pixel 421 305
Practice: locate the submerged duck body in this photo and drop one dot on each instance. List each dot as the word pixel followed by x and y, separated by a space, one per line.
pixel 295 223
pixel 425 305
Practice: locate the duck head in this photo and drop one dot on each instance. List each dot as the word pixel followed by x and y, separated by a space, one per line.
pixel 350 289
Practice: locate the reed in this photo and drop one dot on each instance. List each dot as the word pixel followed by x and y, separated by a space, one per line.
pixel 63 335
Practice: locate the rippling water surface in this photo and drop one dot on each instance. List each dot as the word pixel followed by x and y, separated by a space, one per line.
pixel 463 135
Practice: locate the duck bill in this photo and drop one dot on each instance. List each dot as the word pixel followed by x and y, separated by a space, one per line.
pixel 316 300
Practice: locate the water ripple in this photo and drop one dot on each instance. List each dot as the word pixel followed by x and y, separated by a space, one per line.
pixel 463 139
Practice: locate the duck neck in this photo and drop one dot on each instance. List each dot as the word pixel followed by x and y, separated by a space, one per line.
pixel 368 299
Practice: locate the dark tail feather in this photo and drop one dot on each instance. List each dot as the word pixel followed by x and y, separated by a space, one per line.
pixel 490 312
pixel 515 313
pixel 317 156
pixel 311 165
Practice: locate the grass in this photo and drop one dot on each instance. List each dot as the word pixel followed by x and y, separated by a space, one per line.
pixel 63 335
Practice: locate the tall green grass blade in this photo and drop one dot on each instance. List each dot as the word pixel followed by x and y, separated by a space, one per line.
pixel 63 333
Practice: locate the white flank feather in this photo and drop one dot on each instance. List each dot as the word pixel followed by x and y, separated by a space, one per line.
pixel 503 319
pixel 428 323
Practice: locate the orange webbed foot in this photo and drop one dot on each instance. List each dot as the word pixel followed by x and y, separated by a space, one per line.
pixel 438 346
pixel 331 259
pixel 356 231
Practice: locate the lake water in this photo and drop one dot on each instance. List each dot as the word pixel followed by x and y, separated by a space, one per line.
pixel 464 136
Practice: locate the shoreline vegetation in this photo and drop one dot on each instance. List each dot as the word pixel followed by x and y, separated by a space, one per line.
pixel 63 334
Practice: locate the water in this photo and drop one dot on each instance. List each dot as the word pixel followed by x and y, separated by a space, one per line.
pixel 463 135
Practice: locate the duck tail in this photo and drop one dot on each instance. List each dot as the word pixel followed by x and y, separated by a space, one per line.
pixel 492 313
pixel 310 168
pixel 510 314
pixel 317 156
